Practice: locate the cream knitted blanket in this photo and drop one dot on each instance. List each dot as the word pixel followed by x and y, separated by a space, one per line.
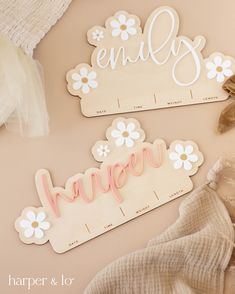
pixel 190 257
pixel 26 22
pixel 23 23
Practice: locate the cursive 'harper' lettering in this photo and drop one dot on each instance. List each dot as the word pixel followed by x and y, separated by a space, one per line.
pixel 115 176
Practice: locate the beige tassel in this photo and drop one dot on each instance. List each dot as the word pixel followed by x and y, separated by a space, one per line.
pixel 229 86
pixel 227 116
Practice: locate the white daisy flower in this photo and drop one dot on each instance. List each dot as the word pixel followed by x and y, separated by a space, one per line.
pixel 219 68
pixel 84 80
pixel 34 224
pixel 97 35
pixel 183 157
pixel 123 26
pixel 125 134
pixel 103 150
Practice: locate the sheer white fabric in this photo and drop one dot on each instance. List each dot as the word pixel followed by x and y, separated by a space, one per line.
pixel 23 23
pixel 22 95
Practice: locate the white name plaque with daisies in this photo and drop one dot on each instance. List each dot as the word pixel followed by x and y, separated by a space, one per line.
pixel 135 69
pixel 134 177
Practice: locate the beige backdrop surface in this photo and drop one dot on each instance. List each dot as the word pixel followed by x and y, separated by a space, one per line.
pixel 67 150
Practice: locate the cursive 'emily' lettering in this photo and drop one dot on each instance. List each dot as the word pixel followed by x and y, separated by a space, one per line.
pixel 173 45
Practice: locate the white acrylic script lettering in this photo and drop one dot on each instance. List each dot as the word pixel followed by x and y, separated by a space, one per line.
pixel 179 47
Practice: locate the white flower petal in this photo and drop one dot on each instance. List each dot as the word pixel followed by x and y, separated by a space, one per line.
pixel 100 152
pixel 211 74
pixel 75 76
pixel 122 19
pixel 179 148
pixel 77 85
pixel 41 216
pixel 85 88
pixel 130 22
pixel 227 63
pixel 130 127
pixel 131 31
pixel 187 165
pixel 220 77
pixel 115 24
pixel 116 32
pixel 31 216
pixel 210 65
pixel 92 75
pixel 121 126
pixel 134 135
pixel 188 149
pixel 116 133
pixel 38 233
pixel 25 223
pixel 29 232
pixel 93 84
pixel 44 225
pixel 178 164
pixel 124 35
pixel 218 60
pixel 120 141
pixel 193 157
pixel 83 71
pixel 174 156
pixel 129 142
pixel 228 72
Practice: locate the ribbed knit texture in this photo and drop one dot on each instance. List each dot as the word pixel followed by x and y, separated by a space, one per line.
pixel 23 23
pixel 26 22
pixel 190 257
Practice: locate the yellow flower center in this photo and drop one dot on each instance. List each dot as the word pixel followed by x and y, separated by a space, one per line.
pixel 125 134
pixel 183 156
pixel 34 224
pixel 84 80
pixel 123 27
pixel 219 68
